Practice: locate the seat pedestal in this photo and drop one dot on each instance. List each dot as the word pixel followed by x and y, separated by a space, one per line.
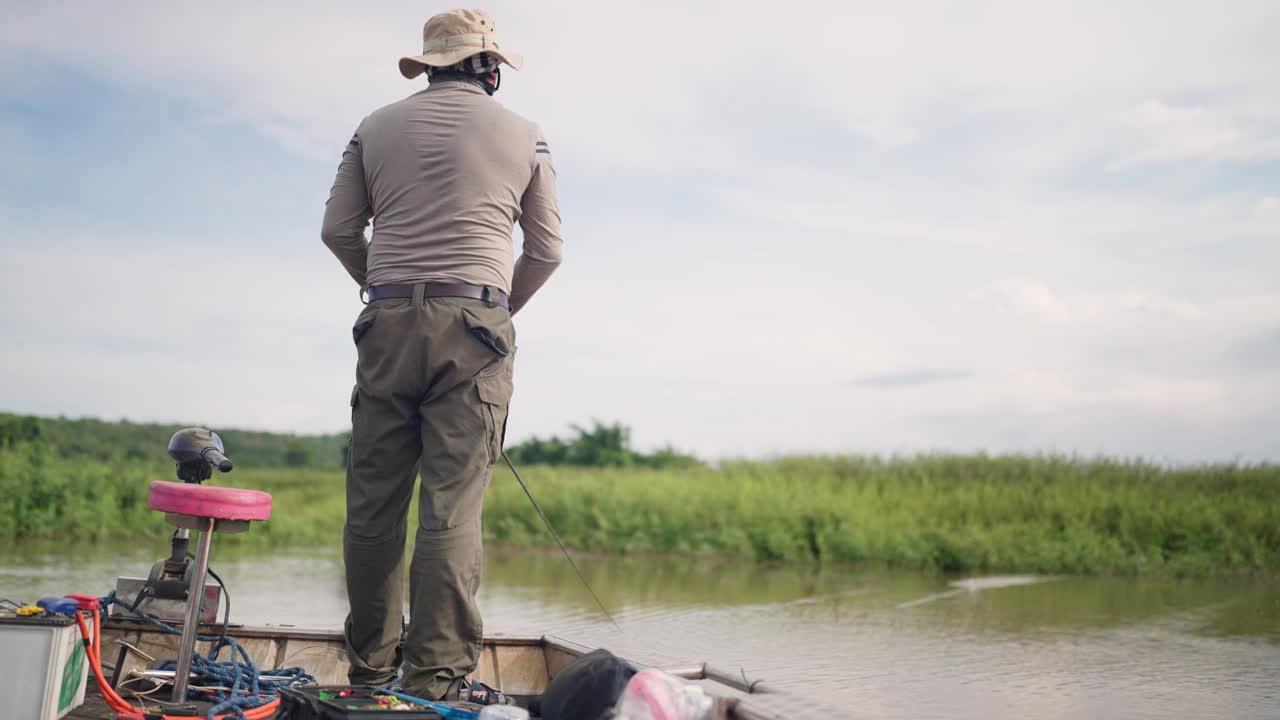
pixel 205 510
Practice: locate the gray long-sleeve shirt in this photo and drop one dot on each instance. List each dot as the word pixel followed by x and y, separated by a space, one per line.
pixel 445 174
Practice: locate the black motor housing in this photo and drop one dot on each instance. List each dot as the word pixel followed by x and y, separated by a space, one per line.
pixel 195 450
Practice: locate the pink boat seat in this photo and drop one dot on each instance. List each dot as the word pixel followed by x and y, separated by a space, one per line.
pixel 206 501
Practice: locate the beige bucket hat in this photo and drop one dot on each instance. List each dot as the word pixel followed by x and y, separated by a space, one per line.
pixel 453 36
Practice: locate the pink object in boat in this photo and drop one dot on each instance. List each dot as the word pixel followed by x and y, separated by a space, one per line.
pixel 209 502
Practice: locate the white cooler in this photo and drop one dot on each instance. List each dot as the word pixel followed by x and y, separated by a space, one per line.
pixel 42 666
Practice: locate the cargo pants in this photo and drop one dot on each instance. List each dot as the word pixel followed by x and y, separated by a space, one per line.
pixel 433 382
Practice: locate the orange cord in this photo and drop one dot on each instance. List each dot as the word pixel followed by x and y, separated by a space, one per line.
pixel 93 649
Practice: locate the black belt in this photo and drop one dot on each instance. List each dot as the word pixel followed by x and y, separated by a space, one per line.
pixel 477 292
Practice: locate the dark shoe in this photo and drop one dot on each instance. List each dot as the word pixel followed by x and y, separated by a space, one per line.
pixel 465 689
pixel 392 684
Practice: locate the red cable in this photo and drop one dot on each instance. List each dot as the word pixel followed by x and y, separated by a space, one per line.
pixel 93 649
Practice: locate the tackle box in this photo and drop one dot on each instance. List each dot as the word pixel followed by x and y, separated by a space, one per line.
pixel 42 668
pixel 344 702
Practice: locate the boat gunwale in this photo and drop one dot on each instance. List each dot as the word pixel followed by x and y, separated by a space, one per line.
pixel 291 632
pixel 740 707
pixel 700 671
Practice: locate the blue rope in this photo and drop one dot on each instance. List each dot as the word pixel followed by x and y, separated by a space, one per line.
pixel 242 685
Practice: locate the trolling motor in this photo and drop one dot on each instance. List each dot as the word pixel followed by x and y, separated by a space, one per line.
pixel 175 583
pixel 196 451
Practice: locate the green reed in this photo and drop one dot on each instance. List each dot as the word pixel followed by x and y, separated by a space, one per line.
pixel 1043 514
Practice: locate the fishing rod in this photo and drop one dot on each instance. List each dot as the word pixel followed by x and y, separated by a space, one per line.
pixel 555 535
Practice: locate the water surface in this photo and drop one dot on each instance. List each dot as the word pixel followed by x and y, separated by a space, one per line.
pixel 889 645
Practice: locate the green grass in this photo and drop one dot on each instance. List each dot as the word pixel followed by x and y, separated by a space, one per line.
pixel 938 513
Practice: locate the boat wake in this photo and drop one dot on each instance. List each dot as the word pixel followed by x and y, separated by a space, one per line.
pixel 978 584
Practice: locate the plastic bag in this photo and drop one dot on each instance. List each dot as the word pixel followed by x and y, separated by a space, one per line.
pixel 655 695
pixel 504 712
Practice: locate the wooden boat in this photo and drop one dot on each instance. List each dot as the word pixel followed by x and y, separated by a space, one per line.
pixel 519 665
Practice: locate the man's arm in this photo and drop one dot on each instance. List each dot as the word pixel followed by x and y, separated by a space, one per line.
pixel 347 213
pixel 540 221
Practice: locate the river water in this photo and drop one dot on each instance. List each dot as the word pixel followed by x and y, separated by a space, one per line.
pixel 885 645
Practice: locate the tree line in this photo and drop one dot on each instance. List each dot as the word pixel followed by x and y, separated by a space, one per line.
pixel 601 445
pixel 73 438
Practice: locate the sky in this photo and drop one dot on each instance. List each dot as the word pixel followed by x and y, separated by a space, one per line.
pixel 803 227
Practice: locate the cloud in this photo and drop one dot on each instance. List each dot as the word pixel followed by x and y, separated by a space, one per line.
pixel 182 334
pixel 1267 212
pixel 1259 352
pixel 890 74
pixel 1035 300
pixel 1067 209
pixel 910 378
pixel 1163 133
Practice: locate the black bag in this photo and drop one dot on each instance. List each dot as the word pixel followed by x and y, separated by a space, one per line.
pixel 586 688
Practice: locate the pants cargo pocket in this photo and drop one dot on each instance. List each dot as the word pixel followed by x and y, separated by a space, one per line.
pixel 351 437
pixel 495 397
pixel 363 323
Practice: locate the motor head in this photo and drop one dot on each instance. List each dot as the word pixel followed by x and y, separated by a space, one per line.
pixel 195 450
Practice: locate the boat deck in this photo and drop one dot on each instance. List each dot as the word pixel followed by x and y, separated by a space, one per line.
pixel 94 707
pixel 519 665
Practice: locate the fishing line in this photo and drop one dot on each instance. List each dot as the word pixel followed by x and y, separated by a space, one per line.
pixel 555 535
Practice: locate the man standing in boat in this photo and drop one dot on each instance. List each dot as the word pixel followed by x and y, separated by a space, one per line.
pixel 445 174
